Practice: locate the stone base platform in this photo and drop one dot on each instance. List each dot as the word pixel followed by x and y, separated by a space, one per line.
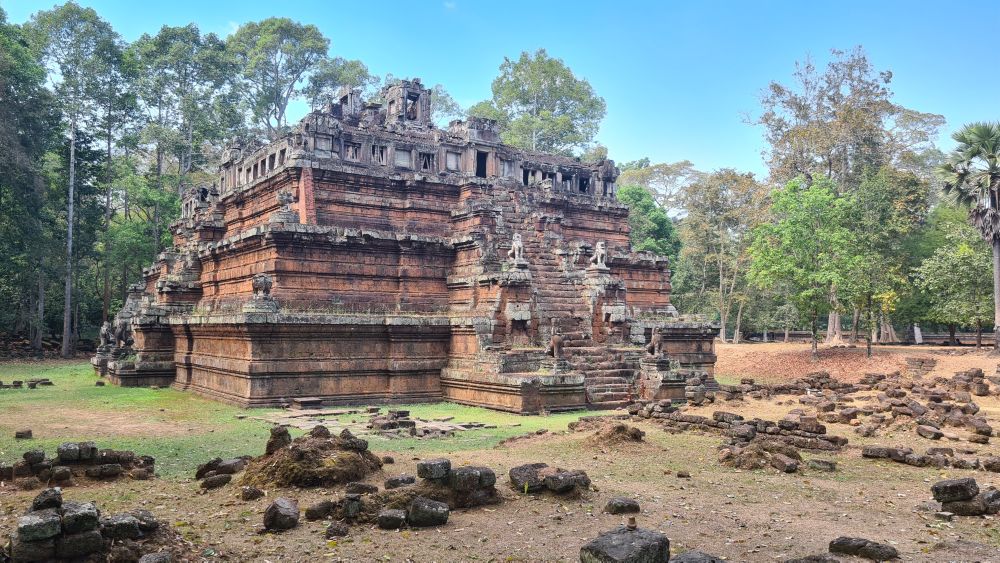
pixel 522 393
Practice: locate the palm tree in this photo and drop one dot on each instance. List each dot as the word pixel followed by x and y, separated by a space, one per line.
pixel 972 175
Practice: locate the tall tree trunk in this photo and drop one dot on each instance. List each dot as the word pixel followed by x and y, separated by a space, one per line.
pixel 951 335
pixel 815 334
pixel 870 332
pixel 739 320
pixel 855 319
pixel 36 337
pixel 68 294
pixel 996 296
pixel 786 333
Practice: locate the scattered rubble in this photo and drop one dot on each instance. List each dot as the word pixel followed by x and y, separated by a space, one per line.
pixel 962 497
pixel 74 460
pixel 57 530
pixel 537 477
pixel 312 461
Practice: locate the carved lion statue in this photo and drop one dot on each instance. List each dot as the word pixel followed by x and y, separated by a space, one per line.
pixel 107 334
pixel 655 346
pixel 600 256
pixel 262 285
pixel 123 333
pixel 516 252
pixel 555 348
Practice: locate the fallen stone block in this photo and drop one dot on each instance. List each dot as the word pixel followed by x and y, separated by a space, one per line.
pixel 391 519
pixel 282 514
pixel 621 505
pixel 423 512
pixel 627 544
pixel 951 490
pixel 863 548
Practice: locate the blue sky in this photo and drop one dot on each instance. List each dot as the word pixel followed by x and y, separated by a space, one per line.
pixel 679 78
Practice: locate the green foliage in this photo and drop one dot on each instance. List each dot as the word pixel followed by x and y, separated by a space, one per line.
pixel 651 228
pixel 721 210
pixel 802 247
pixel 273 58
pixel 886 209
pixel 957 279
pixel 666 180
pixel 542 106
pixel 331 75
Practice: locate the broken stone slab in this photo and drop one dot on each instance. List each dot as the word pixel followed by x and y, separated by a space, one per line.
pixel 783 463
pixel 39 525
pixel 391 519
pixel 121 527
pixel 360 488
pixel 621 505
pixel 320 510
pixel 216 481
pixel 527 478
pixel 397 481
pixel 861 547
pixel 929 432
pixel 433 468
pixel 951 490
pixel 626 544
pixel 49 498
pixel 23 434
pixel 424 512
pixel 282 514
pixel 80 517
pixel 468 479
pixel 75 546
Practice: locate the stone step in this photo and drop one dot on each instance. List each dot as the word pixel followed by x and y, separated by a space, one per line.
pixel 607 405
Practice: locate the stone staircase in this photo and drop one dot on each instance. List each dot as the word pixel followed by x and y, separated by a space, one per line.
pixel 560 296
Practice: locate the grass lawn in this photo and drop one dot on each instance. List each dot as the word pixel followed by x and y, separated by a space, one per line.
pixel 182 430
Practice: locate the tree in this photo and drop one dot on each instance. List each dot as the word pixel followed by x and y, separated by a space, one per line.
pixel 182 75
pixel 666 180
pixel 542 106
pixel 331 75
pixel 274 56
pixel 972 175
pixel 956 279
pixel 888 206
pixel 651 228
pixel 840 123
pixel 70 40
pixel 800 247
pixel 722 209
pixel 29 122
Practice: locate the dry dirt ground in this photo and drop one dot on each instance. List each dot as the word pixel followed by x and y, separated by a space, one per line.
pixel 739 515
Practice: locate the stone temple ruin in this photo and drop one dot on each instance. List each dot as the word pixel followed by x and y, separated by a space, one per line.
pixel 368 256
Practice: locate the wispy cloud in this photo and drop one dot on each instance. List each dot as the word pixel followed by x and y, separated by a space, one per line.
pixel 233 26
pixel 449 5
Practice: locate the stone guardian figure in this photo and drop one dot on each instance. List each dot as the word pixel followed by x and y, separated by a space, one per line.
pixel 600 257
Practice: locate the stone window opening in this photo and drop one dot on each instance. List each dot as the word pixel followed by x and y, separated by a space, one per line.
pixel 507 168
pixel 453 161
pixel 255 170
pixel 404 158
pixel 270 161
pixel 481 159
pixel 526 177
pixel 351 151
pixel 281 157
pixel 584 185
pixel 567 181
pixel 378 154
pixel 411 105
pixel 427 161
